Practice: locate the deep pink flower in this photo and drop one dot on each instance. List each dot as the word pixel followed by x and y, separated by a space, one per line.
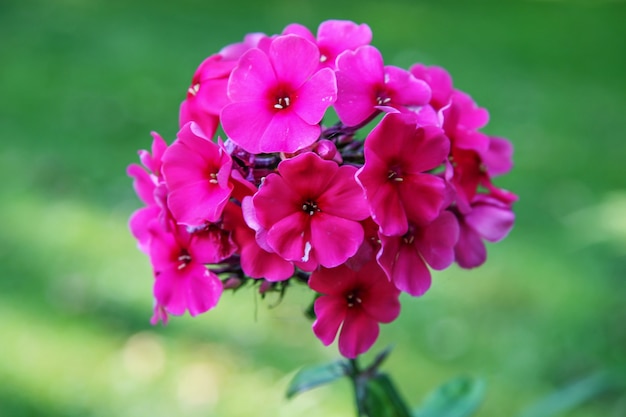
pixel 256 261
pixel 197 173
pixel 279 97
pixel 397 155
pixel 365 85
pixel 206 96
pixel 146 181
pixel 333 38
pixel 354 301
pixel 404 258
pixel 489 219
pixel 182 282
pixel 311 210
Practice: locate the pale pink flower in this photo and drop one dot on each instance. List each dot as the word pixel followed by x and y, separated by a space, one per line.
pixel 278 97
pixel 355 301
pixel 197 173
pixel 398 154
pixel 311 211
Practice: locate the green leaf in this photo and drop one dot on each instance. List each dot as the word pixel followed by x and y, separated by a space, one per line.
pixel 314 376
pixel 382 398
pixel 569 397
pixel 459 397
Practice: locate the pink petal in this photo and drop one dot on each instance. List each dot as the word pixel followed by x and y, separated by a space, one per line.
pixel 139 225
pixel 335 281
pixel 315 96
pixel 470 250
pixel 380 299
pixel 288 237
pixel 437 241
pixel 143 183
pixel 343 197
pixel 407 90
pixel 288 133
pixel 336 36
pixel 298 29
pixel 358 333
pixel 196 203
pixel 330 312
pixel 422 197
pixel 491 222
pixel 294 59
pixel 246 122
pixel 334 239
pixel 498 157
pixel 251 78
pixel 274 201
pixel 203 291
pixel 404 265
pixel 308 175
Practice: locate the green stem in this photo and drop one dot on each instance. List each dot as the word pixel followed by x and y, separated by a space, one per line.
pixel 359 387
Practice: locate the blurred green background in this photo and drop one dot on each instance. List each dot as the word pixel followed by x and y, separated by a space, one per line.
pixel 82 84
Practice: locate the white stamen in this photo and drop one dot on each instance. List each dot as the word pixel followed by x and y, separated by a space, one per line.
pixel 307 251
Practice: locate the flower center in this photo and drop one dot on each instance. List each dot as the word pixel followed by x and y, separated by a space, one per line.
pixel 282 103
pixel 353 298
pixel 310 207
pixel 394 176
pixel 193 90
pixel 184 258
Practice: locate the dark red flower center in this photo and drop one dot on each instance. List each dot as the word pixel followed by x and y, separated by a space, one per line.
pixel 352 298
pixel 184 258
pixel 310 207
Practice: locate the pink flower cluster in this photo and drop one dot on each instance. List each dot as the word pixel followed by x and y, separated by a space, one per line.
pixel 358 217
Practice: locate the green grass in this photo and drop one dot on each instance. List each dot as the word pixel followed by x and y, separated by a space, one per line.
pixel 82 83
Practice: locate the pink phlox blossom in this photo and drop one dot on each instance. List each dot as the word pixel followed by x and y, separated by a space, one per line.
pixel 365 86
pixel 182 282
pixel 398 154
pixel 333 38
pixel 311 211
pixel 439 82
pixel 206 96
pixel 488 219
pixel 197 173
pixel 148 184
pixel 356 302
pixel 405 258
pixel 278 97
pixel 256 258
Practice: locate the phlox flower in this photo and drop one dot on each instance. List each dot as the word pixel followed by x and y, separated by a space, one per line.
pixel 333 38
pixel 488 218
pixel 197 173
pixel 147 180
pixel 311 211
pixel 365 85
pixel 355 301
pixel 278 97
pixel 206 96
pixel 405 258
pixel 397 155
pixel 182 282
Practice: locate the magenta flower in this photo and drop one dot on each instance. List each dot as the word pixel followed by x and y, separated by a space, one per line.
pixel 146 181
pixel 404 258
pixel 489 219
pixel 397 155
pixel 182 282
pixel 354 301
pixel 311 210
pixel 365 85
pixel 206 96
pixel 279 97
pixel 333 38
pixel 256 261
pixel 197 173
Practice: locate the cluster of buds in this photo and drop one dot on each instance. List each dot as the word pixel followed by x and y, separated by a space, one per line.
pixel 360 210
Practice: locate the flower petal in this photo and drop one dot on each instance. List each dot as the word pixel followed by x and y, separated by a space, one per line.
pixel 330 312
pixel 358 333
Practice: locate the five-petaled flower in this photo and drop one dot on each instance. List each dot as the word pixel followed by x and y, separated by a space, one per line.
pixel 356 301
